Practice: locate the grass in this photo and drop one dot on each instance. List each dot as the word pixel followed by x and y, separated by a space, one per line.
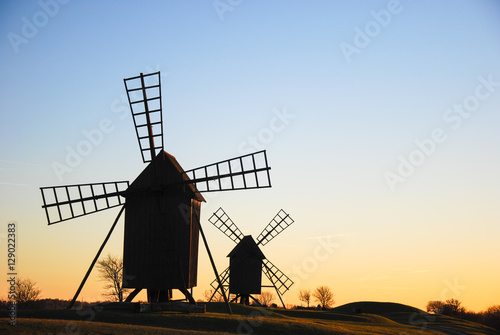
pixel 376 318
pixel 410 315
pixel 44 326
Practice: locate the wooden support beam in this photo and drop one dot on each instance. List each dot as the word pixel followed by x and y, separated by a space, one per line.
pixel 213 265
pixel 95 259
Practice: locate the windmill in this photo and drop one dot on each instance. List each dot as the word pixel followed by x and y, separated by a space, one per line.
pixel 243 277
pixel 162 216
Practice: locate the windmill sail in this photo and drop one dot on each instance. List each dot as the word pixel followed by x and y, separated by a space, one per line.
pixel 278 278
pixel 280 222
pixel 63 203
pixel 239 173
pixel 144 96
pixel 222 221
pixel 224 279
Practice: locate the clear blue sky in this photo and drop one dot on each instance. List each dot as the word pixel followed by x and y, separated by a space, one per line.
pixel 380 119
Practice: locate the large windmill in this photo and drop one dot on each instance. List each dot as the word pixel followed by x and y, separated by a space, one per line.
pixel 162 205
pixel 243 277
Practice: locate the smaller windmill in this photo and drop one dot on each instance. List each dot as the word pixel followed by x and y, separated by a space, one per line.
pixel 243 277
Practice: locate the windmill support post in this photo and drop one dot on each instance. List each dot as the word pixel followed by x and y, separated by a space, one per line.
pixel 279 296
pixel 214 267
pixel 276 288
pixel 95 259
pixel 220 284
pixel 133 294
pixel 255 300
pixel 213 294
pixel 188 296
pixel 277 292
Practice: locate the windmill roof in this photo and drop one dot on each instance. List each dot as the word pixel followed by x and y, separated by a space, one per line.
pixel 185 177
pixel 167 171
pixel 247 248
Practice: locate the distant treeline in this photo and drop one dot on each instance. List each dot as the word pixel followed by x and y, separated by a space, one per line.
pixel 453 307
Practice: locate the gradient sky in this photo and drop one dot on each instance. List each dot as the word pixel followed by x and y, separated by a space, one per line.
pixel 380 120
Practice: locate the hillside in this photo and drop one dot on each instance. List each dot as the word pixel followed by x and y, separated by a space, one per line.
pixel 374 318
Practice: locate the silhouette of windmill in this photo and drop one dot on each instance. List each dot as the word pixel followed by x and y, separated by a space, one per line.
pixel 162 217
pixel 243 277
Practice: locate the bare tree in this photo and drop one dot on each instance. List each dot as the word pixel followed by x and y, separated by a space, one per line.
pixel 217 297
pixel 435 307
pixel 266 298
pixel 305 296
pixel 111 271
pixel 493 310
pixel 453 307
pixel 324 296
pixel 26 290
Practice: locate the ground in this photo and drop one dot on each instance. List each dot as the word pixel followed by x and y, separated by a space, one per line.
pixel 355 318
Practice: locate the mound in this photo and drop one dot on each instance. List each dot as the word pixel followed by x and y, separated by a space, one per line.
pixel 374 307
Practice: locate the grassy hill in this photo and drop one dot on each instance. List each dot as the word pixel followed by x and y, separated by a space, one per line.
pixel 371 318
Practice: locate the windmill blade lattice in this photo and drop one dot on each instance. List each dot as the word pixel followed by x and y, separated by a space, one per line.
pixel 239 173
pixel 224 223
pixel 144 96
pixel 278 278
pixel 280 222
pixel 63 203
pixel 224 279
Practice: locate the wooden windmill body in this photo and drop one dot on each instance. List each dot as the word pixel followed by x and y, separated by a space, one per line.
pixel 245 268
pixel 243 277
pixel 161 229
pixel 162 216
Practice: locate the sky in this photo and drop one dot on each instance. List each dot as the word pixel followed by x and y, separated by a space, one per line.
pixel 380 120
